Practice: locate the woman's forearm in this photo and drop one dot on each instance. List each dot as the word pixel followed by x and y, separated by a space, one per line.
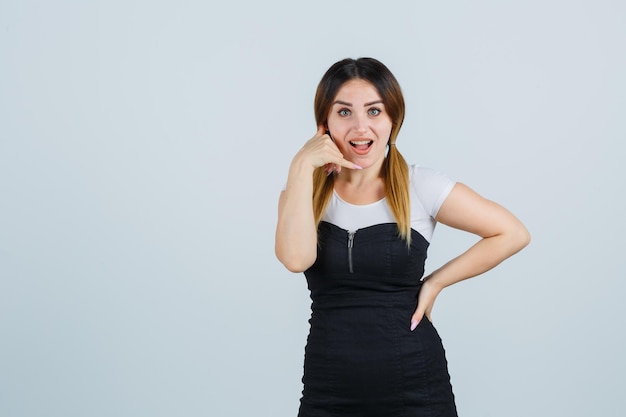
pixel 481 257
pixel 296 231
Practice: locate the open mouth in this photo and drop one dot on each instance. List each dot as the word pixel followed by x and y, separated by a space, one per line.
pixel 361 145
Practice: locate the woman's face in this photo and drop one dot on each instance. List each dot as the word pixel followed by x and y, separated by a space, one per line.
pixel 359 124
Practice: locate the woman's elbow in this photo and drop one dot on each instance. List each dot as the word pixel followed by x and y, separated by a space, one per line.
pixel 295 263
pixel 295 266
pixel 520 237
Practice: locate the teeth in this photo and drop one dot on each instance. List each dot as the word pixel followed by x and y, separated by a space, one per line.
pixel 360 142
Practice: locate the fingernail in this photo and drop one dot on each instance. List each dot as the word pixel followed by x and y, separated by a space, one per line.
pixel 414 324
pixel 329 172
pixel 357 166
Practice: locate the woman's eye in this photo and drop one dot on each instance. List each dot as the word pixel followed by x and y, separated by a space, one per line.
pixel 344 112
pixel 374 112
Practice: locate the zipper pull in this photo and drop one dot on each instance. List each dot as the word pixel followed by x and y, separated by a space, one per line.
pixel 350 244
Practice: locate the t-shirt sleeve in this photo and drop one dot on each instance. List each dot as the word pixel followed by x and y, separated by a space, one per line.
pixel 431 187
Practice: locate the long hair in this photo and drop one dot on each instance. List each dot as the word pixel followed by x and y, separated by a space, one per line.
pixel 394 171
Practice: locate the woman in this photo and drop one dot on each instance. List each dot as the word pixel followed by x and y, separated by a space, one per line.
pixel 357 220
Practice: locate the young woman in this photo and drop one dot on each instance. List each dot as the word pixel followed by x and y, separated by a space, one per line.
pixel 357 220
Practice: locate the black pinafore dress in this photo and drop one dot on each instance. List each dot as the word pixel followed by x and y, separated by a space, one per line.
pixel 361 358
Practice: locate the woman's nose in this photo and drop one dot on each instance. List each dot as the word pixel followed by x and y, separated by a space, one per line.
pixel 360 123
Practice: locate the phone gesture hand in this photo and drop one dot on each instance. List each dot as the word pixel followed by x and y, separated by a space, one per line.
pixel 320 150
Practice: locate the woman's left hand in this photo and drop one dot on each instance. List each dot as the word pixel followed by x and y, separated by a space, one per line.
pixel 425 301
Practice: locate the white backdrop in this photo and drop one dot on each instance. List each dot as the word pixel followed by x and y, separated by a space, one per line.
pixel 143 145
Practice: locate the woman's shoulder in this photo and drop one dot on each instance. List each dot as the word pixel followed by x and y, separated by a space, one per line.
pixel 422 173
pixel 430 186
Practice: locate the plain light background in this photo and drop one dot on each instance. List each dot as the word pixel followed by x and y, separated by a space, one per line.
pixel 143 145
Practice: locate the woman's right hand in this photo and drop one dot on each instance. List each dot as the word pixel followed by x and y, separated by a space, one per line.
pixel 320 150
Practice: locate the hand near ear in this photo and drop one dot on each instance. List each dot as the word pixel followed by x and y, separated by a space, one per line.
pixel 320 150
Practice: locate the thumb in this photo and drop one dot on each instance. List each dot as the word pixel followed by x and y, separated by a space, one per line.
pixel 321 130
pixel 417 317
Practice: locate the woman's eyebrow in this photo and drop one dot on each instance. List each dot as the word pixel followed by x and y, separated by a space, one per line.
pixel 345 103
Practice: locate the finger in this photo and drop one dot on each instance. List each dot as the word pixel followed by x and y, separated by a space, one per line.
pixel 329 169
pixel 345 163
pixel 417 317
pixel 321 130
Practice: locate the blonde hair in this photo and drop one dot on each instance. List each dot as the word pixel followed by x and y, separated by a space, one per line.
pixel 395 171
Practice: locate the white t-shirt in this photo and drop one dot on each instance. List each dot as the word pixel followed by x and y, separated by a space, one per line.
pixel 428 188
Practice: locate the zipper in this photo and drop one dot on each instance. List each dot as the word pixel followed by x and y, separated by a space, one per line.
pixel 350 244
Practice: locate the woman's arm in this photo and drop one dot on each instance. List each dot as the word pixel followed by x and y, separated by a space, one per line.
pixel 502 236
pixel 296 231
